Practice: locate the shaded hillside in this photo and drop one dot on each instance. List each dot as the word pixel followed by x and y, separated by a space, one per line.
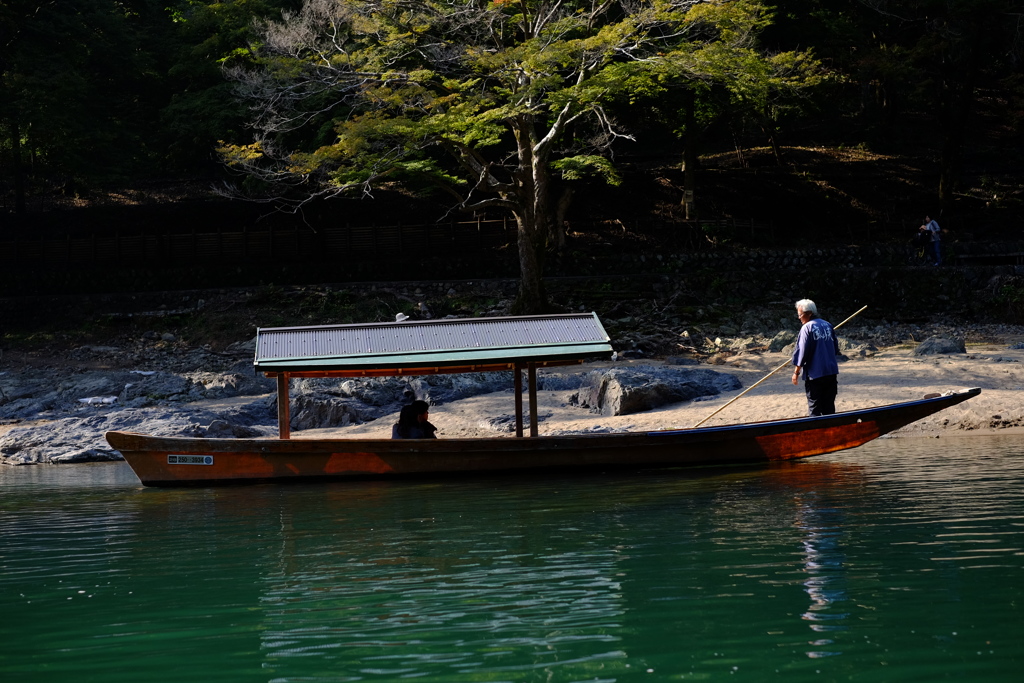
pixel 817 196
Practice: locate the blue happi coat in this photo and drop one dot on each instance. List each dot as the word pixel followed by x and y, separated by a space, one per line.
pixel 816 349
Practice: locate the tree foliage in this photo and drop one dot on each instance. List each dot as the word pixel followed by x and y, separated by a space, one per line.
pixel 202 108
pixel 70 79
pixel 503 103
pixel 507 104
pixel 95 91
pixel 927 59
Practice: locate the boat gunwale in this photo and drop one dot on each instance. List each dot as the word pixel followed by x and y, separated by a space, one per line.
pixel 963 395
pixel 297 443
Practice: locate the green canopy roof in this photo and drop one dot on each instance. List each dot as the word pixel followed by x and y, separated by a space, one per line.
pixel 431 346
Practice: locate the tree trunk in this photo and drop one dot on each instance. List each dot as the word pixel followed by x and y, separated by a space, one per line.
pixel 18 166
pixel 955 106
pixel 559 224
pixel 690 158
pixel 532 298
pixel 768 126
pixel 534 219
pixel 970 44
pixel 950 161
pixel 740 159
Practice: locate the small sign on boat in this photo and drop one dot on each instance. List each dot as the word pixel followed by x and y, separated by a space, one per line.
pixel 189 459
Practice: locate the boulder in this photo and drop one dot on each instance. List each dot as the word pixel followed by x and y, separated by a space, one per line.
pixel 864 350
pixel 781 340
pixel 742 344
pixel 558 381
pixel 318 411
pixel 238 380
pixel 87 455
pixel 933 346
pixel 681 360
pixel 622 391
pixel 242 348
pixel 439 389
pixel 222 429
pixel 88 384
pixel 150 388
pixel 506 424
pixel 390 393
pixel 81 439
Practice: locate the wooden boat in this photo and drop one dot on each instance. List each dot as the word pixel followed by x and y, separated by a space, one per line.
pixel 177 461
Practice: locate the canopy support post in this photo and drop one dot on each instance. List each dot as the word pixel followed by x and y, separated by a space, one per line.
pixel 518 392
pixel 532 375
pixel 284 413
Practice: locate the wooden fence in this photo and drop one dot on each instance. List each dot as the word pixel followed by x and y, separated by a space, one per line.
pixel 155 247
pixel 171 245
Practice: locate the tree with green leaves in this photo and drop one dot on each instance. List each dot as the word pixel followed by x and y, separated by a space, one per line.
pixel 73 85
pixel 96 92
pixel 201 108
pixel 504 103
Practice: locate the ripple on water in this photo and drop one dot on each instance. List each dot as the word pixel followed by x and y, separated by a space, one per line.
pixel 883 561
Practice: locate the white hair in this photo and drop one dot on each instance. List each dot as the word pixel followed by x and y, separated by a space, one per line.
pixel 808 306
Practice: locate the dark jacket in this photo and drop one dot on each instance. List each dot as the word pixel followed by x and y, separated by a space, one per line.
pixel 410 427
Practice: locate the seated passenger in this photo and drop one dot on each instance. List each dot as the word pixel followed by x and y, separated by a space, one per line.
pixel 412 422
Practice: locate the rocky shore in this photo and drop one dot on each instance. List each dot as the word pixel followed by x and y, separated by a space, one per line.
pixel 55 408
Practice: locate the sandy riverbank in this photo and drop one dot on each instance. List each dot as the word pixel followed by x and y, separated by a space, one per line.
pixel 891 376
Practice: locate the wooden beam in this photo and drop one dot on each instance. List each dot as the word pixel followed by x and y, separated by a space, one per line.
pixel 531 373
pixel 394 372
pixel 284 413
pixel 417 371
pixel 518 392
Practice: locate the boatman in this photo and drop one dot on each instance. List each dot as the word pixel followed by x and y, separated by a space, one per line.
pixel 817 349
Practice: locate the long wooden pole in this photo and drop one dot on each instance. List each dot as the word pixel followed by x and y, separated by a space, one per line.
pixel 784 364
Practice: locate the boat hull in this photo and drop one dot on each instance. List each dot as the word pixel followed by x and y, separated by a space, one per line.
pixel 180 461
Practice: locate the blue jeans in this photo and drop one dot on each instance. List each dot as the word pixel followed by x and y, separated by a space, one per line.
pixel 937 250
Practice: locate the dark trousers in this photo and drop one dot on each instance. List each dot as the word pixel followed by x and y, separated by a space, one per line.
pixel 821 395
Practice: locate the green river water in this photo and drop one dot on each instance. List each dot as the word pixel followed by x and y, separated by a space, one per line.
pixel 899 561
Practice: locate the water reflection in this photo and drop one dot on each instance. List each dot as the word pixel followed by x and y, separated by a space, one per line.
pixel 817 493
pixel 824 564
pixel 832 565
pixel 418 583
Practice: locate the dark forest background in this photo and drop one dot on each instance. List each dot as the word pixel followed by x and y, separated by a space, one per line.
pixel 108 105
